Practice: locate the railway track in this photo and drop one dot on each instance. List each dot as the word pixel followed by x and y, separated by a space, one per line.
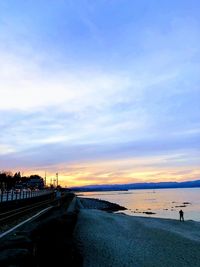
pixel 10 218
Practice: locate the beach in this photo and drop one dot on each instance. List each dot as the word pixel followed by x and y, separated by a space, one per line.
pixel 86 232
pixel 108 239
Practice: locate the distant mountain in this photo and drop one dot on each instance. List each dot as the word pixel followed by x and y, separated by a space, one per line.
pixel 116 187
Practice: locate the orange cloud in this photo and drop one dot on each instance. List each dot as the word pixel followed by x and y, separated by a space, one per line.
pixel 118 171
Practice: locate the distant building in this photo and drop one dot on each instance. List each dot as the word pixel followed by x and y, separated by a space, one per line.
pixel 35 183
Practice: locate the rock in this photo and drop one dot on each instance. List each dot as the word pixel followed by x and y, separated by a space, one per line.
pixel 17 241
pixel 148 212
pixel 16 257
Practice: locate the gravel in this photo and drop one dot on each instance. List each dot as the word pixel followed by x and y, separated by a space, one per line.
pixel 107 239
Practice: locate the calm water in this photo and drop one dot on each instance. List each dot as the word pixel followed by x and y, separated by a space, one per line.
pixel 164 202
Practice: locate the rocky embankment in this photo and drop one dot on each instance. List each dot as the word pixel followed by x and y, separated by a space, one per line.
pixel 46 241
pixel 92 203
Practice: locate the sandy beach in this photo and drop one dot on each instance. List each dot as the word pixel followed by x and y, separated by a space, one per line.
pixel 107 239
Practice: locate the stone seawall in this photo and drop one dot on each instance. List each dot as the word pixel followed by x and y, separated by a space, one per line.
pixel 46 241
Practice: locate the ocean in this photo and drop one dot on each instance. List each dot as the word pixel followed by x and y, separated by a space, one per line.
pixel 161 203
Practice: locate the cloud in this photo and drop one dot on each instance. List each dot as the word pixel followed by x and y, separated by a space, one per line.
pixel 5 150
pixel 149 153
pixel 96 84
pixel 24 86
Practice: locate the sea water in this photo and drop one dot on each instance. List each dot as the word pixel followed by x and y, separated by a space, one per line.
pixel 163 203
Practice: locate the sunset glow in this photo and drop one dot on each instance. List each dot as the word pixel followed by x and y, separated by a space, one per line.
pixel 98 93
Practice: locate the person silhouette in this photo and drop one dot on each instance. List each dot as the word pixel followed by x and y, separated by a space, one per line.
pixel 181 213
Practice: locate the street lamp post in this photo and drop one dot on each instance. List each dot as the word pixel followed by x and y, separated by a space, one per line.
pixel 57 179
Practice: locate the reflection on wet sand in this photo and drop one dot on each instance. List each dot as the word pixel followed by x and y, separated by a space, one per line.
pixel 165 203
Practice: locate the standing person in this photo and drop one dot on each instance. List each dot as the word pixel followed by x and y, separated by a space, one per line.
pixel 58 197
pixel 181 213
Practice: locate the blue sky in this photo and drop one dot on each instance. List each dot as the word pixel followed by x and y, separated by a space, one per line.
pixel 100 91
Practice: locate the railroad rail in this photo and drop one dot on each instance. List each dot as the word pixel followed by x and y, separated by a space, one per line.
pixel 9 217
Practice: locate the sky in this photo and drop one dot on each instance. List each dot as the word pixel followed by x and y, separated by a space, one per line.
pixel 102 92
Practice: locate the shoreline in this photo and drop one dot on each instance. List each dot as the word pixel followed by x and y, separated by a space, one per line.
pixel 114 239
pixel 88 232
pixel 94 203
pixel 156 204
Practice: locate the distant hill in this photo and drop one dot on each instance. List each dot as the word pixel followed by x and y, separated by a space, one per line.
pixel 116 187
